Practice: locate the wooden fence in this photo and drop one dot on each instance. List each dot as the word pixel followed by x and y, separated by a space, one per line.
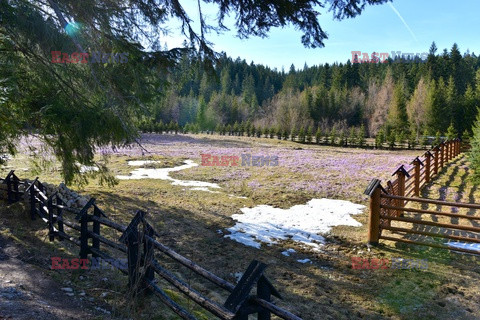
pixel 138 243
pixel 389 211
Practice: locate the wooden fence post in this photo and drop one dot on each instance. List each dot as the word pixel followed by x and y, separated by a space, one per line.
pixel 401 174
pixel 9 187
pixel 435 160
pixel 264 292
pixel 374 190
pixel 51 231
pixel 148 252
pixel 83 217
pixel 417 163
pixel 442 154
pixel 96 230
pixel 31 191
pixel 428 158
pixel 60 216
pixel 131 239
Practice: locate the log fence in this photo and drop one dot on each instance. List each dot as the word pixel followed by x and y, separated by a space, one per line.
pixel 138 243
pixel 391 219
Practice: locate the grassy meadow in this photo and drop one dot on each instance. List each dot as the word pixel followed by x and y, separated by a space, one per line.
pixel 194 223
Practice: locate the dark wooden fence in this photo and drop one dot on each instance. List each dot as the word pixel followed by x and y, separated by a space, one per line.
pixel 138 243
pixel 389 211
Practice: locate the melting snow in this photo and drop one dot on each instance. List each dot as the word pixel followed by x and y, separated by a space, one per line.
pixel 85 169
pixel 300 223
pixel 286 253
pixel 465 245
pixel 304 261
pixel 164 174
pixel 139 163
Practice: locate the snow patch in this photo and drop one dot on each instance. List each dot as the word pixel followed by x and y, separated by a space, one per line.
pixel 464 245
pixel 305 261
pixel 300 223
pixel 164 174
pixel 287 252
pixel 85 169
pixel 140 163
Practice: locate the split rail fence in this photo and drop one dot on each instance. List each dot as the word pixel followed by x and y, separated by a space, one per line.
pixel 389 211
pixel 138 242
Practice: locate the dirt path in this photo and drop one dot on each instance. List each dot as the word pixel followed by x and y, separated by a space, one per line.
pixel 28 292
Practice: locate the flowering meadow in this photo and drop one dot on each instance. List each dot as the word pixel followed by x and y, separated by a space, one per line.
pixel 304 170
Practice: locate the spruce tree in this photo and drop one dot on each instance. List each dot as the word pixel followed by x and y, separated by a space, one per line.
pixel 301 135
pixel 451 132
pixel 309 134
pixel 318 136
pixel 293 134
pixel 361 140
pixel 474 153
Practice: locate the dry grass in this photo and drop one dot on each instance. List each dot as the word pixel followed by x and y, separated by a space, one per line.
pixel 328 288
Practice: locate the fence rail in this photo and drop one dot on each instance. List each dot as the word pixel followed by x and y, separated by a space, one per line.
pixel 138 242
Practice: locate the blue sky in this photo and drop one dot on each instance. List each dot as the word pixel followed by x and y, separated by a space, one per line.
pixel 403 25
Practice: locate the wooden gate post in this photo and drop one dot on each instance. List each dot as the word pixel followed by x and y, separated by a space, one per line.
pixel 435 160
pixel 428 158
pixel 374 190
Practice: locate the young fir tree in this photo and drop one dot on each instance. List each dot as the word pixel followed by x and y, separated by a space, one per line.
pixel 285 134
pixel 451 132
pixel 235 128
pixel 466 138
pixel 309 134
pixel 343 140
pixel 279 133
pixel 252 130
pixel 241 128
pixel 379 139
pixel 438 139
pixel 425 139
pixel 272 132
pixel 301 135
pixel 361 140
pixel 352 138
pixel 266 132
pixel 391 139
pixel 218 129
pixel 248 128
pixel 293 134
pixel 400 138
pixel 333 136
pixel 228 129
pixel 412 140
pixel 259 132
pixel 474 154
pixel 318 136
